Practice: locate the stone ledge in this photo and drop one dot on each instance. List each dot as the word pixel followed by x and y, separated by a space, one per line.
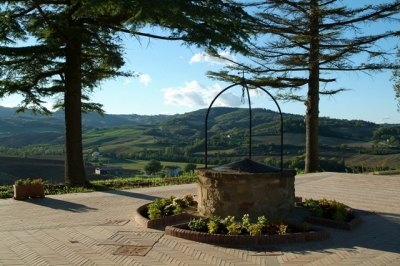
pixel 168 220
pixel 350 225
pixel 182 231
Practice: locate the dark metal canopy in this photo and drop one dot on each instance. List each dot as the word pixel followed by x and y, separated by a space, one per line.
pixel 248 166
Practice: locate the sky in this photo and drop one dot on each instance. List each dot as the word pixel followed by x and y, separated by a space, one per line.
pixel 172 80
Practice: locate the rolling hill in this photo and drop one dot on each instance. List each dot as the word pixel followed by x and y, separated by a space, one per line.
pixel 180 138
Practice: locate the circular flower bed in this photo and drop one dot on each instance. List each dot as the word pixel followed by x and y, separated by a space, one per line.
pixel 224 231
pixel 331 213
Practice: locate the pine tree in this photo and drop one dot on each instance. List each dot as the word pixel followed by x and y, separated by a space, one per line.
pixel 302 42
pixel 65 49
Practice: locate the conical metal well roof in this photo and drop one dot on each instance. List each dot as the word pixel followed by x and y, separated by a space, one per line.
pixel 248 166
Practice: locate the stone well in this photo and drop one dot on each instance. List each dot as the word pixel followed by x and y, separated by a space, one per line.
pixel 246 187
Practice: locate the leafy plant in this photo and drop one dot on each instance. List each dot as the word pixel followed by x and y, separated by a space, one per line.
pixel 282 229
pixel 262 221
pixel 229 220
pixel 246 222
pixel 155 209
pixel 212 226
pixel 28 181
pixel 234 229
pixel 330 209
pixel 255 229
pixel 166 207
pixel 314 207
pixel 178 209
pixel 197 224
pixel 340 211
pixel 167 201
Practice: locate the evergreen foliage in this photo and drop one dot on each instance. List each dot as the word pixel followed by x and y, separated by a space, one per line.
pixel 65 49
pixel 302 43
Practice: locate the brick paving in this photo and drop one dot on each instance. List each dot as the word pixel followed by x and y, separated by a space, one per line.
pixel 97 229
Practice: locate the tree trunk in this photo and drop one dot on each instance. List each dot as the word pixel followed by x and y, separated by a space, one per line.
pixel 312 102
pixel 74 164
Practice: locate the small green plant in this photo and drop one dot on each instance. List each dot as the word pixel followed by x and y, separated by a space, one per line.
pixel 314 207
pixel 212 226
pixel 229 220
pixel 167 206
pixel 28 181
pixel 255 229
pixel 214 223
pixel 178 209
pixel 154 214
pixel 197 224
pixel 324 203
pixel 167 201
pixel 262 221
pixel 246 222
pixel 341 213
pixel 333 209
pixel 282 229
pixel 234 229
pixel 155 209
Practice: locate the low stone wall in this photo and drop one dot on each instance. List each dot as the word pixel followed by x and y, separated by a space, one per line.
pixel 232 193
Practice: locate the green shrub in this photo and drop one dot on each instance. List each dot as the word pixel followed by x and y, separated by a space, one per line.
pixel 212 226
pixel 197 224
pixel 234 229
pixel 255 229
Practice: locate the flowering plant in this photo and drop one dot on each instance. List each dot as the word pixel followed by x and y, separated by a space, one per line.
pixel 28 181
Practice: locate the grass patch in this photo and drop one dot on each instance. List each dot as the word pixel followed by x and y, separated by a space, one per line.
pixel 116 183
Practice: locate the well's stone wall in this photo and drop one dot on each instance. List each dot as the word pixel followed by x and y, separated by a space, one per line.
pixel 233 193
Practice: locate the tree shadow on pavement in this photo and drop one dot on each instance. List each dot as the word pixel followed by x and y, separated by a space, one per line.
pixel 61 205
pixel 131 194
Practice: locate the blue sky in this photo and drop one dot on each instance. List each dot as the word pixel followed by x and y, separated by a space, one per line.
pixel 172 80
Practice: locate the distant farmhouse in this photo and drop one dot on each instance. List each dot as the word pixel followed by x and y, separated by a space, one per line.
pixel 172 170
pixel 108 170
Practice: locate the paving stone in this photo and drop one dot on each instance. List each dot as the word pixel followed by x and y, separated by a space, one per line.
pixel 97 229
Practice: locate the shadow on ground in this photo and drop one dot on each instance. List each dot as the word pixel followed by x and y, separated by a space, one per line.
pixel 61 205
pixel 130 194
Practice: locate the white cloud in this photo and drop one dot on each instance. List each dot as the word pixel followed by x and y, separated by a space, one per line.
pixel 126 82
pixel 383 119
pixel 145 79
pixel 204 57
pixel 197 95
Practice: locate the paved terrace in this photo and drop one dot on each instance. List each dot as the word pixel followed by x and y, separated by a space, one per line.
pixel 89 229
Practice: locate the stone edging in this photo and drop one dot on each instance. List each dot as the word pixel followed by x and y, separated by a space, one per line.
pixel 169 220
pixel 181 232
pixel 351 225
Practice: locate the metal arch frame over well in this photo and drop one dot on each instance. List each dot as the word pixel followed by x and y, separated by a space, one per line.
pixel 244 86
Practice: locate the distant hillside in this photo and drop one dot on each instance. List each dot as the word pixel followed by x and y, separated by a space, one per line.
pixel 26 129
pixel 88 120
pixel 181 138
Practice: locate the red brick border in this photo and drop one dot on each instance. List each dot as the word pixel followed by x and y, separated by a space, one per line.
pixel 182 231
